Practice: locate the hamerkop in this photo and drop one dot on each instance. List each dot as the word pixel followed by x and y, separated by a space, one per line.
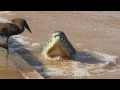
pixel 16 27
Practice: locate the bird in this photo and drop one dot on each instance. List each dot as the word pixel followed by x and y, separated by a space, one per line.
pixel 17 26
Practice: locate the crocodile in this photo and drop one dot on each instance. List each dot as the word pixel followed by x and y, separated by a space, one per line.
pixel 57 47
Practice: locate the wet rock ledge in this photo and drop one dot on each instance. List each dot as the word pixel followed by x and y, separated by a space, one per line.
pixel 13 60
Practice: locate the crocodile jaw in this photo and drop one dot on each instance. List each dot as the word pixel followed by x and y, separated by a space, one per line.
pixel 57 48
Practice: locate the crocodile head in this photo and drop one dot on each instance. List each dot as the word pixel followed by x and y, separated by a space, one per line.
pixel 58 47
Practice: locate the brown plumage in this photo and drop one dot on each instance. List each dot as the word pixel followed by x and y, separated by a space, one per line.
pixel 16 27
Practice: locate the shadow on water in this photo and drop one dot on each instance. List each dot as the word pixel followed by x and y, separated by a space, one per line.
pixel 85 57
pixel 25 54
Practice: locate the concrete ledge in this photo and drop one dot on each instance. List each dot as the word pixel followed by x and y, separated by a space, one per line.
pixel 24 68
pixel 21 65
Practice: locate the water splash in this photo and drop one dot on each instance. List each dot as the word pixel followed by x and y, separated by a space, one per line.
pixel 3 20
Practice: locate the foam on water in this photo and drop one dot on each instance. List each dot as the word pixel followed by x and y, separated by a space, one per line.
pixel 3 20
pixel 79 72
pixel 18 42
pixel 82 65
pixel 105 60
pixel 20 39
pixel 37 67
pixel 106 57
pixel 35 44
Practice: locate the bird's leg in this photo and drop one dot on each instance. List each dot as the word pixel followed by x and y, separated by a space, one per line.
pixel 7 65
pixel 7 45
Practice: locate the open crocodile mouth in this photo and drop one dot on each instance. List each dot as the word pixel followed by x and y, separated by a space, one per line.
pixel 58 47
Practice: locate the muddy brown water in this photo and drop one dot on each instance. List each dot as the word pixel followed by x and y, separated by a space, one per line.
pixel 88 32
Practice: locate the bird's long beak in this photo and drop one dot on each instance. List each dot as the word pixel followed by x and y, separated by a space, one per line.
pixel 26 25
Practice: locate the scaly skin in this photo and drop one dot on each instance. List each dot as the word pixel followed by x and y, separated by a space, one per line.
pixel 58 47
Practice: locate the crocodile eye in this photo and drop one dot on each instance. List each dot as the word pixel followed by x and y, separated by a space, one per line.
pixel 62 38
